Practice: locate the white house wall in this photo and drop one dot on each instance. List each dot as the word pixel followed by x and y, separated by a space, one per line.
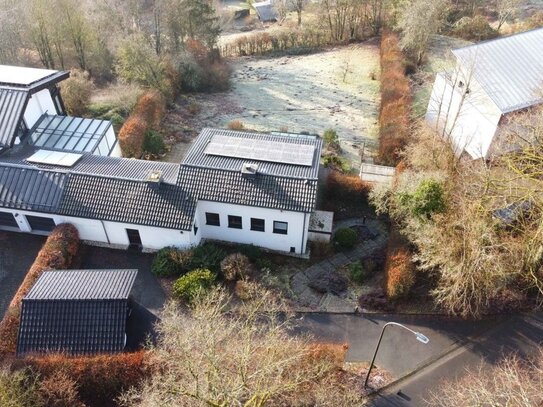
pixel 298 224
pixel 38 104
pixel 470 122
pixel 112 234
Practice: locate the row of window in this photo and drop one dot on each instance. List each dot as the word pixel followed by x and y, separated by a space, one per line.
pixel 236 222
pixel 39 223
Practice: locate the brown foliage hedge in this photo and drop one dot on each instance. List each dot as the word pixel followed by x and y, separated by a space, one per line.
pixel 394 114
pixel 100 379
pixel 146 116
pixel 58 252
pixel 400 271
pixel 344 189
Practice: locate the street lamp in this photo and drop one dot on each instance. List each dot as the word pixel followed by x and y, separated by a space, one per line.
pixel 420 337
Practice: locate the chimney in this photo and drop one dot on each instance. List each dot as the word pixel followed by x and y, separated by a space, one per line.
pixel 249 170
pixel 154 179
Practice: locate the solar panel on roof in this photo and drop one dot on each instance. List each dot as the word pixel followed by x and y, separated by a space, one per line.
pixel 261 150
pixel 54 158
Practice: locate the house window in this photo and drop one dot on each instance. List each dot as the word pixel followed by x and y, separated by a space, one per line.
pixel 195 229
pixel 234 222
pixel 292 249
pixel 7 219
pixel 213 219
pixel 40 223
pixel 280 228
pixel 257 224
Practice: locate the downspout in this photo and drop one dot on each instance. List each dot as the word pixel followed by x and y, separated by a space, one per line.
pixel 303 236
pixel 105 231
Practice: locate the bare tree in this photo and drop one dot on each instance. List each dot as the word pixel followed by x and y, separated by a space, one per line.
pixel 506 9
pixel 226 355
pixel 298 6
pixel 512 382
pixel 418 21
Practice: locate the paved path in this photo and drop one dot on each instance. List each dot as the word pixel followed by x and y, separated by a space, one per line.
pixel 400 353
pixel 328 302
pixel 521 334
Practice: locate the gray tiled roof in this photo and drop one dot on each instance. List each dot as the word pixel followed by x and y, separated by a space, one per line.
pixel 117 189
pixel 114 167
pixel 509 69
pixel 127 201
pixel 30 189
pixel 291 194
pixel 12 105
pixel 196 156
pixel 76 311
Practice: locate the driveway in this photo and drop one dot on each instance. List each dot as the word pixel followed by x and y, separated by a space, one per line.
pixel 17 253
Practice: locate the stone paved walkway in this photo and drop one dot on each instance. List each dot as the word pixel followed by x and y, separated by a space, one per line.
pixel 309 298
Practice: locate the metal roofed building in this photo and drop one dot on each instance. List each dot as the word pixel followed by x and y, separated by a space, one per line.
pixel 232 186
pixel 76 312
pixel 492 79
pixel 265 10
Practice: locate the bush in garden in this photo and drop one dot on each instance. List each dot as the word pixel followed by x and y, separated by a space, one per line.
pixel 208 256
pixel 153 143
pixel 76 92
pixel 400 271
pixel 251 251
pixel 58 252
pixel 331 139
pixel 345 238
pixel 131 137
pixel 236 125
pixel 146 116
pixel 18 388
pixel 235 266
pixel 170 261
pixel 427 199
pixel 193 283
pixel 246 290
pixel 357 272
pixel 59 390
pixel 347 189
pixel 474 29
pixel 333 161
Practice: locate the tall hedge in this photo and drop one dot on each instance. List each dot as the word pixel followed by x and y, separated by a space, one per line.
pixel 395 111
pixel 146 116
pixel 58 252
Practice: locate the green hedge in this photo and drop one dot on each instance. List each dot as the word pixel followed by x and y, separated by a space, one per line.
pixel 193 283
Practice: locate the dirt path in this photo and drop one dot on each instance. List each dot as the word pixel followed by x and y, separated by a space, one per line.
pixel 336 89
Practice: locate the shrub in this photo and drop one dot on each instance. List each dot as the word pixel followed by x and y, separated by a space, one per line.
pixel 427 199
pixel 58 252
pixel 18 389
pixel 171 261
pixel 345 238
pixel 331 139
pixel 76 92
pixel 251 251
pixel 236 125
pixel 193 284
pixel 347 189
pixel 474 29
pixel 59 390
pixel 146 116
pixel 400 271
pixel 100 379
pixel 153 143
pixel 264 264
pixel 246 290
pixel 336 162
pixel 208 256
pixel 131 137
pixel 535 21
pixel 235 266
pixel 357 272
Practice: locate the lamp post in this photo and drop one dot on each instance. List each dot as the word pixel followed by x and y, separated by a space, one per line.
pixel 420 337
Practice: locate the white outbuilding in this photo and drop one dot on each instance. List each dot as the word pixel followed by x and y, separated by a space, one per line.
pixel 491 81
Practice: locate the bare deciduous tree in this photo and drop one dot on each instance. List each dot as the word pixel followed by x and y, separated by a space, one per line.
pixel 225 355
pixel 506 9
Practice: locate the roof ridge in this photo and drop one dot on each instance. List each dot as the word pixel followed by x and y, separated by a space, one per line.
pixel 231 170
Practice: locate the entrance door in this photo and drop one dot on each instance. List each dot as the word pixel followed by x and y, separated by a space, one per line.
pixel 134 238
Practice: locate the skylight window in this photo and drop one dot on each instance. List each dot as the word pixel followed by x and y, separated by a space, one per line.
pixel 59 158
